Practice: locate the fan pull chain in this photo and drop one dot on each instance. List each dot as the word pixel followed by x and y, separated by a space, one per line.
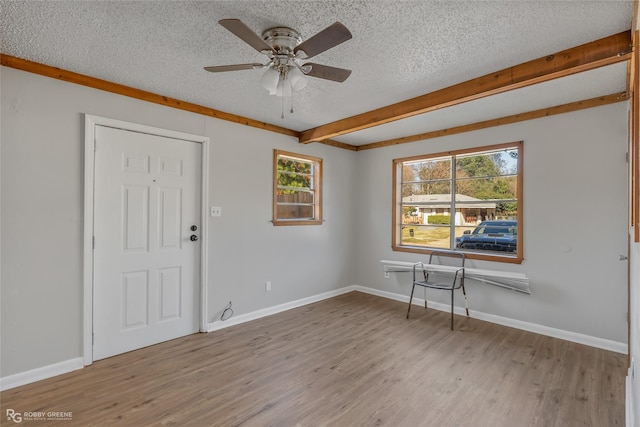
pixel 282 109
pixel 291 111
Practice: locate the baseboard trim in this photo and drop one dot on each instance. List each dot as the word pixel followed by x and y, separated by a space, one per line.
pixel 28 377
pixel 591 341
pixel 247 317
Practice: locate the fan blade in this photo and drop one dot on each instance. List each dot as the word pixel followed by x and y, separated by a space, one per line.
pixel 331 36
pixel 236 67
pixel 245 33
pixel 328 73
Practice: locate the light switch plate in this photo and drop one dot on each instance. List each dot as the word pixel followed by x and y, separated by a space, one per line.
pixel 216 211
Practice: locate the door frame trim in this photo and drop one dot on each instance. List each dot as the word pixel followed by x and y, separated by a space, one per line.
pixel 90 124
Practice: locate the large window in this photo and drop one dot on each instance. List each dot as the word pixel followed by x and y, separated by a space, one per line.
pixel 297 185
pixel 467 200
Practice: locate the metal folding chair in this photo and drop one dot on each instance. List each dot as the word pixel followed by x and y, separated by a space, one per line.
pixel 443 276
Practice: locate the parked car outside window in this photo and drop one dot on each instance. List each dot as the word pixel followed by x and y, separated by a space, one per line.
pixel 500 236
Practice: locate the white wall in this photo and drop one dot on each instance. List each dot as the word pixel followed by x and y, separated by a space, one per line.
pixel 247 249
pixel 574 189
pixel 575 216
pixel 42 215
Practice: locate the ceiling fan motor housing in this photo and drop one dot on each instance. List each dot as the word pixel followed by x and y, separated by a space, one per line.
pixel 282 39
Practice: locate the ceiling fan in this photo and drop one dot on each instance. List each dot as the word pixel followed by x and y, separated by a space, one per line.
pixel 285 71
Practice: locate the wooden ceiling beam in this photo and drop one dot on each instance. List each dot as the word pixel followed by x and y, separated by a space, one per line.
pixel 339 144
pixel 84 80
pixel 515 118
pixel 605 51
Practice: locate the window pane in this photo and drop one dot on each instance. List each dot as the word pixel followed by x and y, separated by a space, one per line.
pixel 428 188
pixel 435 236
pixel 430 176
pixel 294 174
pixel 497 236
pixel 295 205
pixel 480 199
pixel 294 165
pixel 496 188
pixel 487 190
pixel 293 181
pixel 487 164
pixel 296 197
pixel 295 212
pixel 426 194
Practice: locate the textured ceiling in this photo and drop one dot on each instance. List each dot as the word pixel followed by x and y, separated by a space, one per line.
pixel 399 50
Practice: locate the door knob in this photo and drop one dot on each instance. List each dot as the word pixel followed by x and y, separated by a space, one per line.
pixel 623 257
pixel 193 237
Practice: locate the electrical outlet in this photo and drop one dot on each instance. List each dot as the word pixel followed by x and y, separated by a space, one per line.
pixel 386 274
pixel 267 286
pixel 216 211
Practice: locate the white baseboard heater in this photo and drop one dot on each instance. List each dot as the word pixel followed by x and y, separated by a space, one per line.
pixel 505 279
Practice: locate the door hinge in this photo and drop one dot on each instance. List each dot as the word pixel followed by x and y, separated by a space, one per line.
pixel 93 338
pixel 93 242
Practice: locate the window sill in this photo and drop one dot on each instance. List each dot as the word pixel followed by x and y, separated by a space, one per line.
pixel 278 223
pixel 518 259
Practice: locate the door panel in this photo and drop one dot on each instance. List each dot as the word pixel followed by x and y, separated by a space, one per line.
pixel 170 218
pixel 135 294
pixel 146 268
pixel 170 292
pixel 135 218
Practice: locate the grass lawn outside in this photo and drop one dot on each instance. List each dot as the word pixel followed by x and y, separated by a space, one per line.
pixel 430 235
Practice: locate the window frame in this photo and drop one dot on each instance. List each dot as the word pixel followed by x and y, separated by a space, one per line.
pixel 316 190
pixel 397 203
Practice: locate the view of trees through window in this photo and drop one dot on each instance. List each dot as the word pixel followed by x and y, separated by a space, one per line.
pixel 296 189
pixel 444 200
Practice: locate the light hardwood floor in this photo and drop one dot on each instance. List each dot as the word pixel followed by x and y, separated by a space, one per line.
pixel 353 360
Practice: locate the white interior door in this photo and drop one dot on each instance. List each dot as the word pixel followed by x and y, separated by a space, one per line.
pixel 146 265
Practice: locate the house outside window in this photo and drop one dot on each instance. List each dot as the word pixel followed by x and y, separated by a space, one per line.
pixel 466 200
pixel 297 189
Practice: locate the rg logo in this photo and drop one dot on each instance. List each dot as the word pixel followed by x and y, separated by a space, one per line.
pixel 14 416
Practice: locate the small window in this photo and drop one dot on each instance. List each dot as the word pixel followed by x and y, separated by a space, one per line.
pixel 468 201
pixel 297 189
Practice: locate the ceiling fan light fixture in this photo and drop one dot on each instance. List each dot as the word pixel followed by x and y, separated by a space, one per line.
pixel 270 79
pixel 284 87
pixel 298 79
pixel 283 82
